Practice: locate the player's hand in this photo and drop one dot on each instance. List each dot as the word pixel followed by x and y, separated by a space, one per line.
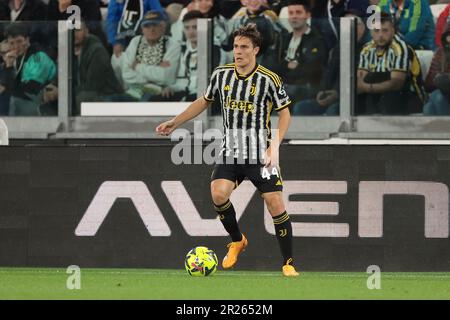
pixel 166 128
pixel 271 157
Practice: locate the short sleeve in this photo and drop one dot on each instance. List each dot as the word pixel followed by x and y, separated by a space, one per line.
pixel 402 58
pixel 211 90
pixel 363 60
pixel 280 97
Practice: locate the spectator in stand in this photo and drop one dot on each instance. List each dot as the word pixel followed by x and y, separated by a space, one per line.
pixel 28 70
pixel 228 8
pixel 57 9
pixel 185 86
pixel 151 59
pixel 327 100
pixel 442 24
pixel 123 23
pixel 4 95
pixel 438 80
pixel 22 10
pixel 257 12
pixel 90 12
pixel 389 77
pixel 326 14
pixel 45 34
pixel 209 9
pixel 303 54
pixel 415 21
pixel 94 77
pixel 124 18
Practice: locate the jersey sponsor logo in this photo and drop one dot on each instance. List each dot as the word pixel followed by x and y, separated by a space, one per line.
pixel 245 106
pixel 227 88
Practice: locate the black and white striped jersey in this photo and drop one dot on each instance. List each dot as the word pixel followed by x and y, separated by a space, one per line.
pixel 393 58
pixel 247 102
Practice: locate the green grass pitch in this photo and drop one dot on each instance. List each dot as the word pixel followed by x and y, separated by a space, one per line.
pixel 48 283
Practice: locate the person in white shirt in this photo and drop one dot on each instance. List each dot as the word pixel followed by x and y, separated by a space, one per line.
pixel 185 86
pixel 151 60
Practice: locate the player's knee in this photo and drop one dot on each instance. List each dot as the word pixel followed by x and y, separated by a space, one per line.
pixel 219 196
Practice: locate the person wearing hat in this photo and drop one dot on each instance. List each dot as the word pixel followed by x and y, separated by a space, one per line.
pixel 122 24
pixel 124 18
pixel 151 59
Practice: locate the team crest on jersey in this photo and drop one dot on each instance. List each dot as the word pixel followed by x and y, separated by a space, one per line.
pixel 253 90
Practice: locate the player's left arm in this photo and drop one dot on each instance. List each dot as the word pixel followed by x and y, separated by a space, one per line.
pixel 272 154
pixel 284 121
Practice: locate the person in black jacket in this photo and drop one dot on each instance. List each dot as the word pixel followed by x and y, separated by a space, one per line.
pixel 90 13
pixel 303 54
pixel 94 77
pixel 22 10
pixel 90 10
pixel 327 100
pixel 42 33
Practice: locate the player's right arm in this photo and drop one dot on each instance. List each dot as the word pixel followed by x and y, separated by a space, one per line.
pixel 194 109
pixel 197 107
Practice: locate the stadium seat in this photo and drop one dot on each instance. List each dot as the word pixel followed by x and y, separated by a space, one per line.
pixel 425 57
pixel 436 10
pixel 4 140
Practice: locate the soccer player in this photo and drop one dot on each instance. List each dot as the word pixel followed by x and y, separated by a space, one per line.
pixel 248 93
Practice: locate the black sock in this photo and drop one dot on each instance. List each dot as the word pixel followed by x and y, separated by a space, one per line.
pixel 227 216
pixel 283 230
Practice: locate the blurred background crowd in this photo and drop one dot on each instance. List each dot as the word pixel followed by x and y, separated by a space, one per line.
pixel 146 50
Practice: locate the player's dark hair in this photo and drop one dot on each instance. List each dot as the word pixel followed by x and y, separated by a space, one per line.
pixel 16 29
pixel 192 15
pixel 249 31
pixel 305 3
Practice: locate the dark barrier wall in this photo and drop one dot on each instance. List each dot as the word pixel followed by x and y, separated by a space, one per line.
pixel 351 207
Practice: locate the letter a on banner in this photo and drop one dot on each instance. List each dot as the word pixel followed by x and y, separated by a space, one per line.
pixel 108 193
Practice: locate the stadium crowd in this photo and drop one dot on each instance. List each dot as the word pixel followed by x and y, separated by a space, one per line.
pixel 146 50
